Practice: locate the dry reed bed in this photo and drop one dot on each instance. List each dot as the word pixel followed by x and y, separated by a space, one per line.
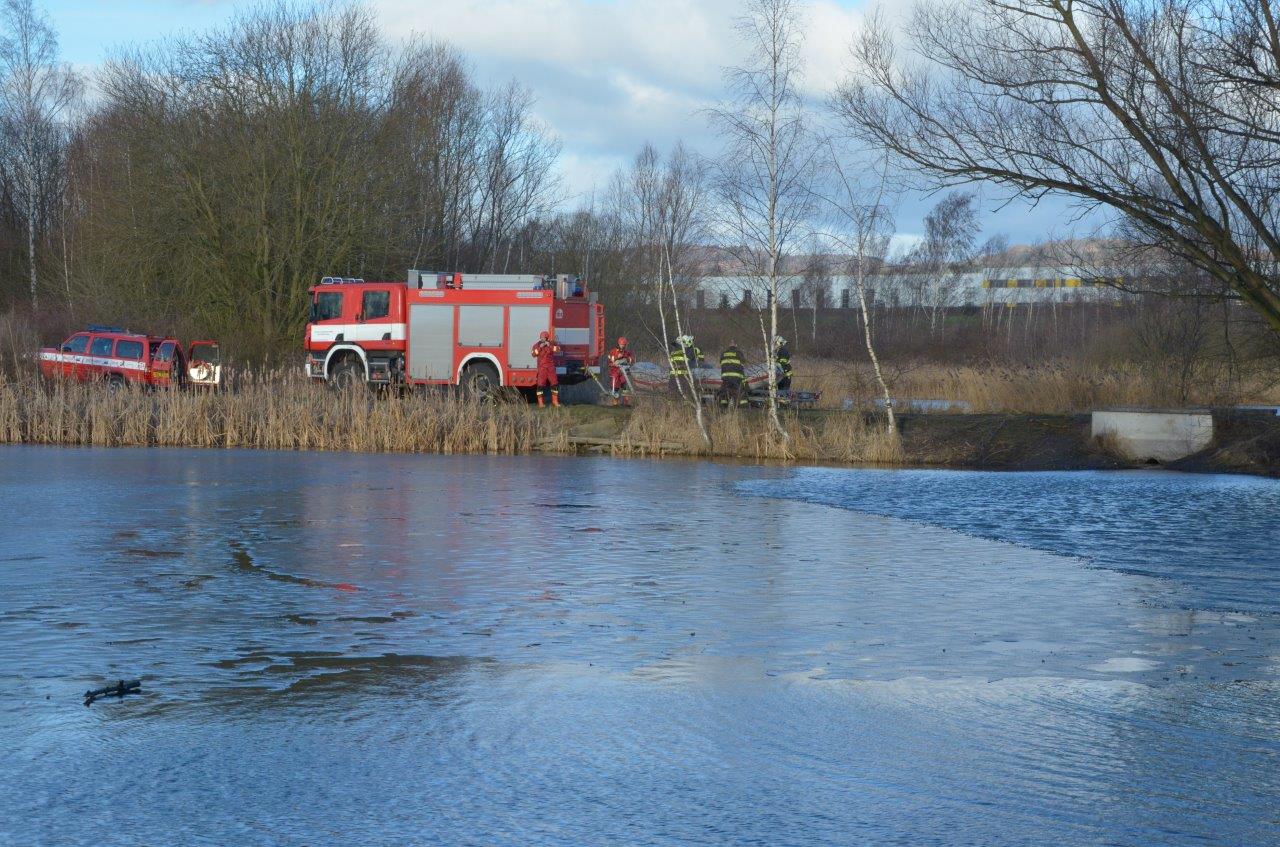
pixel 265 414
pixel 654 428
pixel 1050 388
pixel 276 412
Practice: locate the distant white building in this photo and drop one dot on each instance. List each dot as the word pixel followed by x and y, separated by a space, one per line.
pixel 985 287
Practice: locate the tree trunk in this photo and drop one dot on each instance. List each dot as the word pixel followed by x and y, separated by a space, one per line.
pixel 692 378
pixel 871 350
pixel 31 242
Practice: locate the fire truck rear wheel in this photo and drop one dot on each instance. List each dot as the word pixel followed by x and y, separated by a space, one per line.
pixel 115 382
pixel 480 381
pixel 347 374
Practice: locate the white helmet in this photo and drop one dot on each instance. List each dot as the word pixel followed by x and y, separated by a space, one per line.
pixel 685 340
pixel 778 341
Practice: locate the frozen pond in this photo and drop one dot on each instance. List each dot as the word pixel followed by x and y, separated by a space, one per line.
pixel 351 649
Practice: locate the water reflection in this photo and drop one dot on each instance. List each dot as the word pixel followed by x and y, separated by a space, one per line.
pixel 497 650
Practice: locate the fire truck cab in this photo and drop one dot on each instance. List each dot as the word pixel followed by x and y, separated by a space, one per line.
pixel 473 330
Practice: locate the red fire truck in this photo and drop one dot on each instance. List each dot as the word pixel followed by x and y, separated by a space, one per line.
pixel 473 330
pixel 116 356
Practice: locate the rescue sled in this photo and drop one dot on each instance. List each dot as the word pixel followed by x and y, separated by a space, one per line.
pixel 654 378
pixel 648 376
pixel 790 397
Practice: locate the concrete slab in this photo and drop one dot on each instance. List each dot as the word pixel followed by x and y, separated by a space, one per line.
pixel 1162 435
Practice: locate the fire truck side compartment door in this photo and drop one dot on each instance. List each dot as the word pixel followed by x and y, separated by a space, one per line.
pixel 479 326
pixel 526 323
pixel 431 341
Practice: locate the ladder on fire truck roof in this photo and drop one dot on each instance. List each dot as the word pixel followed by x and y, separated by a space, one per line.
pixel 488 282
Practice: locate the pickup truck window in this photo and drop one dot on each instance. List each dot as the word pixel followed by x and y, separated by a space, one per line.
pixel 101 347
pixel 76 344
pixel 128 349
pixel 328 305
pixel 205 353
pixel 164 352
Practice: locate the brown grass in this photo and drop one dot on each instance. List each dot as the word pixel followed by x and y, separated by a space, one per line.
pixel 1047 388
pixel 272 412
pixel 657 428
pixel 276 411
pixel 282 411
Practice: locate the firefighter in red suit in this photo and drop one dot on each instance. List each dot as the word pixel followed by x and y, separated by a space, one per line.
pixel 620 357
pixel 545 350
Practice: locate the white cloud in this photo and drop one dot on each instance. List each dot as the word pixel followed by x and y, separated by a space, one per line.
pixel 610 76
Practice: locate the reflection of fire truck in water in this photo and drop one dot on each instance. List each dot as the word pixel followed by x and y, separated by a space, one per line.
pixel 473 330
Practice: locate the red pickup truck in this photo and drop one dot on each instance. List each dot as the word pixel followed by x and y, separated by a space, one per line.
pixel 115 356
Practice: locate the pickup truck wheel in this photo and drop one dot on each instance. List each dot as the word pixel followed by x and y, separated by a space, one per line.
pixel 480 381
pixel 348 374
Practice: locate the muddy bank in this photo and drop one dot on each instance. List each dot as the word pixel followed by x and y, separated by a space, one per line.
pixel 1243 442
pixel 970 441
pixel 1006 442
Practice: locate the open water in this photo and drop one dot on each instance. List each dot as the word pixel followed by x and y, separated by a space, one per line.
pixel 354 649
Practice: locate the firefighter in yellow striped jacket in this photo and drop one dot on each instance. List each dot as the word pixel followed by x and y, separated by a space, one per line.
pixel 733 374
pixel 684 355
pixel 782 355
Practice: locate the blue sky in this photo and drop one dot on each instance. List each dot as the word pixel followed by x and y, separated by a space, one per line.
pixel 608 75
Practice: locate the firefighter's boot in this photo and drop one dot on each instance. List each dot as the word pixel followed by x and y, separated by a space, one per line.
pixel 541 399
pixel 555 397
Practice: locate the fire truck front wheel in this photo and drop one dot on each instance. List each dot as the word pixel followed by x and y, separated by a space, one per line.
pixel 480 381
pixel 347 374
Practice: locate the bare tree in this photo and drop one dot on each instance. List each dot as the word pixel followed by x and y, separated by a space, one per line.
pixel 435 125
pixel 1163 112
pixel 861 224
pixel 950 227
pixel 220 175
pixel 665 204
pixel 815 286
pixel 36 94
pixel 764 176
pixel 516 179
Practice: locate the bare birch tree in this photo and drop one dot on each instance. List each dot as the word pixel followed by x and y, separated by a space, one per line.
pixel 36 94
pixel 665 203
pixel 861 224
pixel 764 175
